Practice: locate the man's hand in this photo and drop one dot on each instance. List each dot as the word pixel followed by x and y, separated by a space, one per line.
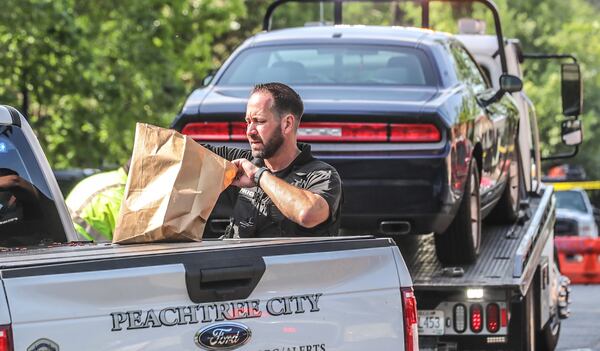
pixel 245 173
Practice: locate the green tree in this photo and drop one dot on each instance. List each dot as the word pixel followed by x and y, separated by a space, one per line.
pixel 84 72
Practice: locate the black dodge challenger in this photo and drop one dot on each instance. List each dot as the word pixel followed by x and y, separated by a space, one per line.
pixel 420 138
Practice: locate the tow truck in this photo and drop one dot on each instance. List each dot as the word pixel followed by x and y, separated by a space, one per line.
pixel 513 296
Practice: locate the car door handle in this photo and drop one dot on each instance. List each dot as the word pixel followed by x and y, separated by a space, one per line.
pixel 215 282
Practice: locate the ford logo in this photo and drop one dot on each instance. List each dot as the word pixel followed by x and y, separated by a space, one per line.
pixel 223 336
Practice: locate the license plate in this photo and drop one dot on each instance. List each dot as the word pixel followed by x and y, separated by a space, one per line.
pixel 431 322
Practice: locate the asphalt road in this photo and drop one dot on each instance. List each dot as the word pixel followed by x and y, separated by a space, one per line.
pixel 581 331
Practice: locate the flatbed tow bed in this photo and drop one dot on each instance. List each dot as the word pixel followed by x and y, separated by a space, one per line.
pixel 504 300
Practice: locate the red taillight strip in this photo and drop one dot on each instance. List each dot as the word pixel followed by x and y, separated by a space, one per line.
pixel 238 131
pixel 207 131
pixel 6 342
pixel 411 333
pixel 351 132
pixel 414 133
pixel 324 132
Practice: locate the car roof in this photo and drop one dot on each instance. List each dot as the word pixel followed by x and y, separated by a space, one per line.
pixel 369 34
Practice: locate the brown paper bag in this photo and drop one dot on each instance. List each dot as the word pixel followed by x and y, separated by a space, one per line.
pixel 172 187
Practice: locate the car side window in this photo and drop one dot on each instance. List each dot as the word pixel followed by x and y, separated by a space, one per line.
pixel 28 213
pixel 467 69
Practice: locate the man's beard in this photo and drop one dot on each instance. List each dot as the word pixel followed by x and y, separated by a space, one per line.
pixel 270 147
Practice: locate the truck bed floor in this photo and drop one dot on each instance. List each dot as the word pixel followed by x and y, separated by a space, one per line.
pixel 493 267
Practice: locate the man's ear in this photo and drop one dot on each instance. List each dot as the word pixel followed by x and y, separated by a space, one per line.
pixel 288 123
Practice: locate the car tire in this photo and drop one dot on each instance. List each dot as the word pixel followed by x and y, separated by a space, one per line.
pixel 507 208
pixel 460 243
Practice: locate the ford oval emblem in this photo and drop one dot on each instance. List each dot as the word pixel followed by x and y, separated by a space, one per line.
pixel 223 336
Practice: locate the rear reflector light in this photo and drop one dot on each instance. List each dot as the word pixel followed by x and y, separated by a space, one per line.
pixel 411 335
pixel 323 132
pixel 460 318
pixel 492 317
pixel 476 318
pixel 504 317
pixel 6 343
pixel 414 133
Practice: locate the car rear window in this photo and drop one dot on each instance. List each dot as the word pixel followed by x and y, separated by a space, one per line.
pixel 28 214
pixel 571 200
pixel 330 65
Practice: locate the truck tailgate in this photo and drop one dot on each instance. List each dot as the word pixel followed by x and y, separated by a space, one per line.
pixel 311 295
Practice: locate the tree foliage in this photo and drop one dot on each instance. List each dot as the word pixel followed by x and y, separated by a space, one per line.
pixel 85 71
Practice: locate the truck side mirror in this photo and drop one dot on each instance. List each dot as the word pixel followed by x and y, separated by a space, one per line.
pixel 571 88
pixel 571 132
pixel 510 83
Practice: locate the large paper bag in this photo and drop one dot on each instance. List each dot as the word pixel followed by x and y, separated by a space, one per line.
pixel 172 187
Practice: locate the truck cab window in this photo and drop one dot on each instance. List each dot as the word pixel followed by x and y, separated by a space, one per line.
pixel 28 215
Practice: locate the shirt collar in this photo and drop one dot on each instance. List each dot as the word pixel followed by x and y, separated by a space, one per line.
pixel 304 157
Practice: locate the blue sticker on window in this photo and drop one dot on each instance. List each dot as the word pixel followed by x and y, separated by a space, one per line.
pixel 3 148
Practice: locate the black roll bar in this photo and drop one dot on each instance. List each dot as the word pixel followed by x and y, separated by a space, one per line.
pixel 424 16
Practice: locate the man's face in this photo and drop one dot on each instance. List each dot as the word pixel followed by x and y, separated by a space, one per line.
pixel 263 126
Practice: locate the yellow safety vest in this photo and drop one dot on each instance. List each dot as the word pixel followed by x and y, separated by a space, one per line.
pixel 94 204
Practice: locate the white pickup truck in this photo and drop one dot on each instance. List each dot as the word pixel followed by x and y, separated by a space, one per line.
pixel 301 294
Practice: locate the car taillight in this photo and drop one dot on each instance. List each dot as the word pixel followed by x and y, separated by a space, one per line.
pixel 352 132
pixel 210 131
pixel 411 335
pixel 476 313
pixel 414 133
pixel 492 317
pixel 323 132
pixel 6 343
pixel 460 318
pixel 238 131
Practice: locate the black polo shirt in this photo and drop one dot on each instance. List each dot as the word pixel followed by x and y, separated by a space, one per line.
pixel 255 215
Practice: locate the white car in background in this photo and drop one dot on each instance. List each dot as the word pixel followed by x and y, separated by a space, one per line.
pixel 574 214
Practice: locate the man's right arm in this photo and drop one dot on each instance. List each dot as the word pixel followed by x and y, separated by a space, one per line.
pixel 229 153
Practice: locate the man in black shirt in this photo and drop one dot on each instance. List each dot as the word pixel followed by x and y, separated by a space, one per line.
pixel 285 191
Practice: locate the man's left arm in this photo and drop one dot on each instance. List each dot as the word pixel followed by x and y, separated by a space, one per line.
pixel 299 205
pixel 302 206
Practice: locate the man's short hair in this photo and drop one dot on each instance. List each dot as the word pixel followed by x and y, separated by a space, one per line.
pixel 285 99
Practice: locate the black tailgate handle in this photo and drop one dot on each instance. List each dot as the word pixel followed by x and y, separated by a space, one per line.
pixel 214 281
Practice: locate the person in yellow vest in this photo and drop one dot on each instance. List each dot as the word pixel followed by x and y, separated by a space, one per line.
pixel 94 204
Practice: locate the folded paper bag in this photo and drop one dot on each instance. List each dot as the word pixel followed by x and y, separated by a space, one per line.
pixel 172 187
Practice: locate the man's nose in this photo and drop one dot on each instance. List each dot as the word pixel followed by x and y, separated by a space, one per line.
pixel 251 129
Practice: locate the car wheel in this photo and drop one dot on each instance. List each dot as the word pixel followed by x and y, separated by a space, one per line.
pixel 461 242
pixel 507 208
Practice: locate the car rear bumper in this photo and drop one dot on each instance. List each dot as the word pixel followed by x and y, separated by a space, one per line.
pixel 415 190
